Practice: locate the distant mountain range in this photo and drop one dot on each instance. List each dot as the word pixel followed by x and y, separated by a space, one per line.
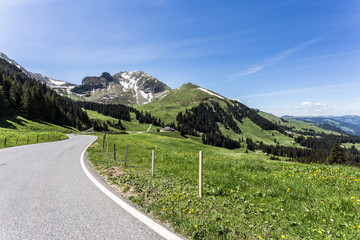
pixel 128 87
pixel 348 124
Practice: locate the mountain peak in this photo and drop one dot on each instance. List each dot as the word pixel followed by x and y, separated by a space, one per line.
pixel 107 76
pixel 128 87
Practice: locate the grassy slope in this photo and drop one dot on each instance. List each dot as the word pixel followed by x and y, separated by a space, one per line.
pixel 133 125
pixel 246 196
pixel 17 130
pixel 253 131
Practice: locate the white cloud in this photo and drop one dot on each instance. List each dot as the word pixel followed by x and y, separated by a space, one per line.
pixel 277 58
pixel 313 109
pixel 312 104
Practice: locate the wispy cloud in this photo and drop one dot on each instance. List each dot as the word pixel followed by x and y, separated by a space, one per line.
pixel 301 90
pixel 277 58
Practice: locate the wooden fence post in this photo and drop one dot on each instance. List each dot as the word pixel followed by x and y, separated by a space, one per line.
pixel 200 174
pixel 153 163
pixel 5 142
pixel 17 139
pixel 28 139
pixel 114 152
pixel 126 153
pixel 104 139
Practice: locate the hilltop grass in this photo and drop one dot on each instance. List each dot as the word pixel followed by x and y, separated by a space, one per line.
pixel 246 196
pixel 167 107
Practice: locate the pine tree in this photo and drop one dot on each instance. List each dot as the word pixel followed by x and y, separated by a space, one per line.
pixel 336 154
pixel 3 102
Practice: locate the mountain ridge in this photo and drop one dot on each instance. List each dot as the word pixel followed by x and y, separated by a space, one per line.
pixel 348 123
pixel 125 87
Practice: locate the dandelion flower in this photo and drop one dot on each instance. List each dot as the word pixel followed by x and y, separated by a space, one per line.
pixel 259 237
pixel 283 236
pixel 324 220
pixel 196 226
pixel 320 231
pixel 358 226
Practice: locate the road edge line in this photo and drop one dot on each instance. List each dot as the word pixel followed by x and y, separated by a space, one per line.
pixel 162 231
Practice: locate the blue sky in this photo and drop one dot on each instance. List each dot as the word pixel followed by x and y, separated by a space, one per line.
pixel 283 57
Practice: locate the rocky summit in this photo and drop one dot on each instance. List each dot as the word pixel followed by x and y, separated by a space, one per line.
pixel 128 88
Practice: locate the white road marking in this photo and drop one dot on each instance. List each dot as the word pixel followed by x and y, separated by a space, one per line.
pixel 144 219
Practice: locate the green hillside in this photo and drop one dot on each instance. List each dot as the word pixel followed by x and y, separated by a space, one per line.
pixel 257 134
pixel 177 100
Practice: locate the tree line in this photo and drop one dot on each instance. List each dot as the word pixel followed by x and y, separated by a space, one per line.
pixel 120 112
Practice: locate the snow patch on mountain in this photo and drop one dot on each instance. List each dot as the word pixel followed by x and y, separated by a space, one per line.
pixel 211 93
pixel 56 82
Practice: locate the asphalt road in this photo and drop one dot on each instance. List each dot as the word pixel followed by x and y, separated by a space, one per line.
pixel 45 194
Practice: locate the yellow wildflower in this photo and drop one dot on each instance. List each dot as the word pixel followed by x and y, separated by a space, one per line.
pixel 283 236
pixel 320 231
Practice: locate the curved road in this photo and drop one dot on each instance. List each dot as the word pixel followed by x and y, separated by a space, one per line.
pixel 45 194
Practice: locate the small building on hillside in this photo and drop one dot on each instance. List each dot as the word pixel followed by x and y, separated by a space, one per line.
pixel 167 129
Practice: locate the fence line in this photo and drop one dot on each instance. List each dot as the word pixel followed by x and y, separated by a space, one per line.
pixel 318 200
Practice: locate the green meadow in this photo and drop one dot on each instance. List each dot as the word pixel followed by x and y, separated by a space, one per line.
pixel 246 195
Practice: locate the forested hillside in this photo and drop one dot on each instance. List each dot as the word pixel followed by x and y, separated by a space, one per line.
pixel 120 112
pixel 27 97
pixel 212 119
